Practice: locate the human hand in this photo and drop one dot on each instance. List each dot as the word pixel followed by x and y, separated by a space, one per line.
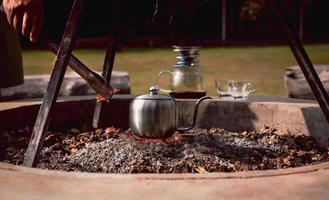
pixel 26 16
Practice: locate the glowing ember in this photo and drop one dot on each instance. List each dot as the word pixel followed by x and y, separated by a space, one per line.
pixel 111 130
pixel 116 90
pixel 100 98
pixel 174 138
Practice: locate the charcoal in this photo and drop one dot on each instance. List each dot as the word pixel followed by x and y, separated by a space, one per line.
pixel 114 150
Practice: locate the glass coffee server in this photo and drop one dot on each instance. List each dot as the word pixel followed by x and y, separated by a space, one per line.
pixel 186 78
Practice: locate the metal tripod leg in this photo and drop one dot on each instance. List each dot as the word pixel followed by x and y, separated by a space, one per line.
pixel 108 63
pixel 56 78
pixel 302 58
pixel 107 72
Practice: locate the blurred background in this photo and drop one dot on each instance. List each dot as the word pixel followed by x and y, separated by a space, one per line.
pixel 240 39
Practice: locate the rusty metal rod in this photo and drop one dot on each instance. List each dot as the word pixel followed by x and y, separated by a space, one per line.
pixel 107 71
pixel 99 112
pixel 92 78
pixel 301 56
pixel 55 82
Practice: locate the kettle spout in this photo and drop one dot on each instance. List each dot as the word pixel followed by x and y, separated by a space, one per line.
pixel 196 108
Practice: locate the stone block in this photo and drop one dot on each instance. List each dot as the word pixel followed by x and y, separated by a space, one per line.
pixel 296 85
pixel 35 86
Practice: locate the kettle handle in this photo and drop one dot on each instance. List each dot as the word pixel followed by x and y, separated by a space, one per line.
pixel 196 108
pixel 158 77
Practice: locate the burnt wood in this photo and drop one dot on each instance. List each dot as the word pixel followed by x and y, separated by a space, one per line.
pixel 56 78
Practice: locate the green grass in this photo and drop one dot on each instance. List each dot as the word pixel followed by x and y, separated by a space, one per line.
pixel 263 66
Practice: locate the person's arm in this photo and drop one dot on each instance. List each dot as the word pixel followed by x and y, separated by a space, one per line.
pixel 26 16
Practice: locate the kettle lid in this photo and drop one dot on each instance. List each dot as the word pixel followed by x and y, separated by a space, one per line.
pixel 154 95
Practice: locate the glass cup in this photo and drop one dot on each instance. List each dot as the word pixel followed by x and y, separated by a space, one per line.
pixel 240 89
pixel 235 90
pixel 222 91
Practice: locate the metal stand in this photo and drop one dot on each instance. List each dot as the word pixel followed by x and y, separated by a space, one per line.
pixel 64 57
pixel 56 79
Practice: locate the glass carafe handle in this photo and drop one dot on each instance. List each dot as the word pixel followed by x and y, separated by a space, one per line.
pixel 158 77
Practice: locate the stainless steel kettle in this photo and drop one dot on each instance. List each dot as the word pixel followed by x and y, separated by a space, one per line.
pixel 154 115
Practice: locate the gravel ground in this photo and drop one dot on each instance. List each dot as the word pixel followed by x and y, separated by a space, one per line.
pixel 113 150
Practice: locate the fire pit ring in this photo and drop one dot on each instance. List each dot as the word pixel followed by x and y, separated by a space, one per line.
pixel 303 182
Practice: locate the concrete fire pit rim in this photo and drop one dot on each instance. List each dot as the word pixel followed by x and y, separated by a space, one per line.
pixel 183 176
pixel 236 175
pixel 309 182
pixel 269 100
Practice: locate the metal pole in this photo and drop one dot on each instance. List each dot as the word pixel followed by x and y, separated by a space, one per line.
pixel 55 82
pixel 224 21
pixel 108 63
pixel 92 78
pixel 301 19
pixel 302 58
